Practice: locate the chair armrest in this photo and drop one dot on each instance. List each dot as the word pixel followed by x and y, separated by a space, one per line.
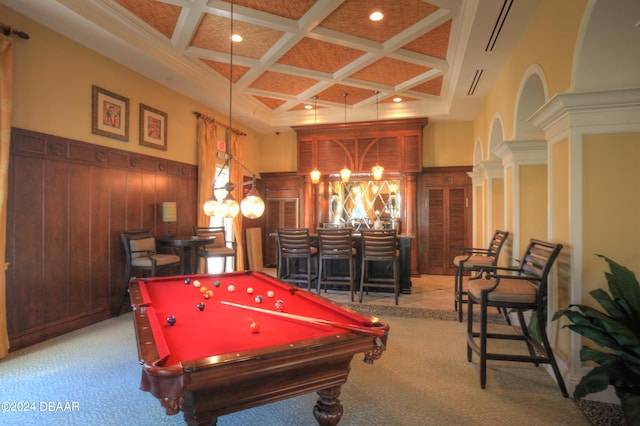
pixel 486 270
pixel 476 250
pixel 513 277
pixel 147 252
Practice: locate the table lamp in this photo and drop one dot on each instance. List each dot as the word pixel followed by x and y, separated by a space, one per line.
pixel 169 214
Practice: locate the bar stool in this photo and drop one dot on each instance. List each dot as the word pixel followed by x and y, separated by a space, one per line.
pixel 380 246
pixel 335 245
pixel 294 245
pixel 473 260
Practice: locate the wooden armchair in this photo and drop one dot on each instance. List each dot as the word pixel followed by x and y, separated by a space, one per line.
pixel 141 256
pixel 220 248
pixel 515 289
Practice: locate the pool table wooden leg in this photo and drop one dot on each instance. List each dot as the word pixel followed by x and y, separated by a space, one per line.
pixel 200 420
pixel 328 410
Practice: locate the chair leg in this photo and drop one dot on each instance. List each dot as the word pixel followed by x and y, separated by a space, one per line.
pixel 363 274
pixel 309 274
pixel 456 299
pixel 123 296
pixel 396 280
pixel 320 271
pixel 352 276
pixel 525 332
pixel 483 342
pixel 552 359
pixel 469 328
pixel 458 292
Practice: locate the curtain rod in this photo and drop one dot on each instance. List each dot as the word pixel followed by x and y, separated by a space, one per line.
pixel 236 131
pixel 7 30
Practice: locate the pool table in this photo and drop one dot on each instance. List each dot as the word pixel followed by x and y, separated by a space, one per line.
pixel 253 341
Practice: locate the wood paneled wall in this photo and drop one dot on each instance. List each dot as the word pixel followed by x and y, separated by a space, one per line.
pixel 67 201
pixel 394 144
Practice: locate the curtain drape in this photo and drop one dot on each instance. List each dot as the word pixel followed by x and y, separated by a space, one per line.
pixel 207 137
pixel 6 105
pixel 237 177
pixel 207 150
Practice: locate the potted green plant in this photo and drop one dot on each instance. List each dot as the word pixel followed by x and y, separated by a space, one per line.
pixel 617 333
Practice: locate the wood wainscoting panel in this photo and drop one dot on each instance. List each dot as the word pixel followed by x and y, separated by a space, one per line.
pixel 67 200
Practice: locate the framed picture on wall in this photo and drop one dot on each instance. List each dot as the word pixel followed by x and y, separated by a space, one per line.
pixel 153 127
pixel 109 114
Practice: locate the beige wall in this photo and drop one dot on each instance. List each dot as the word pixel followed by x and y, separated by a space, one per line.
pixel 447 143
pixel 611 184
pixel 279 152
pixel 533 204
pixel 497 199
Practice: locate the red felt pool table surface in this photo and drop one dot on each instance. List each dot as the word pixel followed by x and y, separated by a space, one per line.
pixel 211 362
pixel 223 329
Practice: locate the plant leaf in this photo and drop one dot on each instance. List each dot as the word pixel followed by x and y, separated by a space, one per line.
pixel 608 304
pixel 624 286
pixel 590 354
pixel 594 381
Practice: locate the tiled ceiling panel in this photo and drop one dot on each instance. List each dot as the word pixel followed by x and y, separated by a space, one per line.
pixel 319 55
pixel 424 52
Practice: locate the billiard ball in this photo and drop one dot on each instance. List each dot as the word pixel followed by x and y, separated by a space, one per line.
pixel 200 306
pixel 258 299
pixel 250 290
pixel 280 305
pixel 203 289
pixel 217 283
pixel 196 283
pixel 270 293
pixel 206 295
pixel 171 320
pixel 231 288
pixel 254 327
pixel 187 281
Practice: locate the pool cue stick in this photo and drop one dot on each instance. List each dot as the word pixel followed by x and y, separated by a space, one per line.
pixel 350 327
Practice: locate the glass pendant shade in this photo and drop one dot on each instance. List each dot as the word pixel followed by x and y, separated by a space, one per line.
pixel 229 208
pixel 315 176
pixel 211 207
pixel 377 171
pixel 345 174
pixel 252 206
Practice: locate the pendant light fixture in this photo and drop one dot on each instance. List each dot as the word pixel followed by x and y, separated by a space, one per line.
pixel 315 173
pixel 377 170
pixel 252 206
pixel 345 173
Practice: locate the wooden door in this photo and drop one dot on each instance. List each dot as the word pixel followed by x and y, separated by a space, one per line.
pixel 444 224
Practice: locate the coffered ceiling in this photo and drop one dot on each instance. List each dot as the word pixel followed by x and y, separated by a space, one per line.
pixel 438 56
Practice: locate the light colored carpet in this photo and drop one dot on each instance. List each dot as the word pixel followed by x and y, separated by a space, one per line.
pixel 422 379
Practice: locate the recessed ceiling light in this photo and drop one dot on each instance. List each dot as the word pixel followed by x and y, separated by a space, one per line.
pixel 397 99
pixel 236 37
pixel 308 107
pixel 376 16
